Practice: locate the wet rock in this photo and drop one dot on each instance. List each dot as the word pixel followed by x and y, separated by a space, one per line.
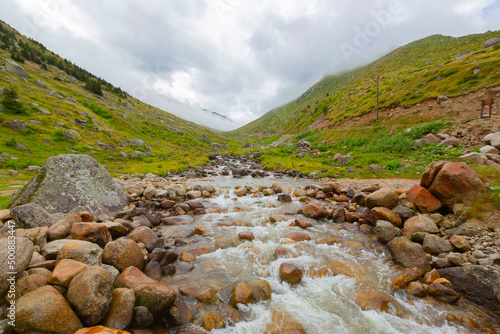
pixel 83 251
pixel 143 318
pixel 431 276
pixel 276 188
pixel 385 231
pixel 190 330
pixel 246 236
pixel 302 223
pixel 381 213
pixel 242 191
pixel 478 284
pixel 121 309
pixel 403 279
pixel 436 245
pixel 146 236
pixel 456 183
pixel 298 237
pixel 123 253
pixel 31 215
pixel 417 289
pixel 283 323
pixel 65 271
pixel 242 294
pixel 179 313
pixel 261 289
pixel 101 330
pixel 313 210
pixel 84 180
pixel 92 232
pixel 385 197
pixel 407 253
pixel 284 198
pixel 423 199
pixel 443 293
pixel 206 296
pixel 290 273
pixel 460 243
pixel 420 223
pixel 90 294
pixel 21 263
pixel 369 299
pixel 45 311
pixel 187 257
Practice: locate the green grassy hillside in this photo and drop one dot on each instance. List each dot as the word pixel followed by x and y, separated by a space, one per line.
pixel 58 96
pixel 433 66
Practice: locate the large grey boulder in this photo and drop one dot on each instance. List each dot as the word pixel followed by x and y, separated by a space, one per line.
pixel 493 139
pixel 31 215
pixel 68 181
pixel 479 284
pixel 16 69
pixel 491 42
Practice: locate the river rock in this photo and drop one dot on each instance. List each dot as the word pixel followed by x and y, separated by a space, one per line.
pixel 179 314
pixel 242 294
pixel 436 245
pixel 290 273
pixel 276 188
pixel 385 231
pixel 385 197
pixel 381 213
pixel 409 254
pixel 283 323
pixel 121 310
pixel 29 283
pixel 443 293
pixel 83 251
pixel 460 243
pixel 92 232
pixel 424 201
pixel 90 294
pixel 478 284
pixel 24 251
pixel 31 215
pixel 313 210
pixel 68 181
pixel 403 279
pixel 298 237
pixel 155 296
pixel 123 253
pixel 146 236
pixel 101 330
pixel 261 289
pixel 65 271
pixel 369 299
pixel 420 223
pixel 456 183
pixel 45 311
pixel 417 289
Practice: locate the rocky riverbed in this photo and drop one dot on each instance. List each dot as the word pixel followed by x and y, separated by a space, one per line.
pixel 233 248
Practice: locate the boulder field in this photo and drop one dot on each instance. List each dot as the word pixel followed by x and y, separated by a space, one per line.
pixel 99 261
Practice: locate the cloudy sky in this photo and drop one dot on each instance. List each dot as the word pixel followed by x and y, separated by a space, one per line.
pixel 239 58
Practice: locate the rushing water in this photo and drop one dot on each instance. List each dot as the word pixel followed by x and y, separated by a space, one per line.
pixel 321 304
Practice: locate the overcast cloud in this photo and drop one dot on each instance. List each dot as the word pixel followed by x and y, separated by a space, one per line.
pixel 239 58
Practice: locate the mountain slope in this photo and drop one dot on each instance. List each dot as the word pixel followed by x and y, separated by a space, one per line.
pixel 433 66
pixel 55 107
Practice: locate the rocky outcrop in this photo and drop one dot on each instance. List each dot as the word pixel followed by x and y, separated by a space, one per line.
pixel 68 181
